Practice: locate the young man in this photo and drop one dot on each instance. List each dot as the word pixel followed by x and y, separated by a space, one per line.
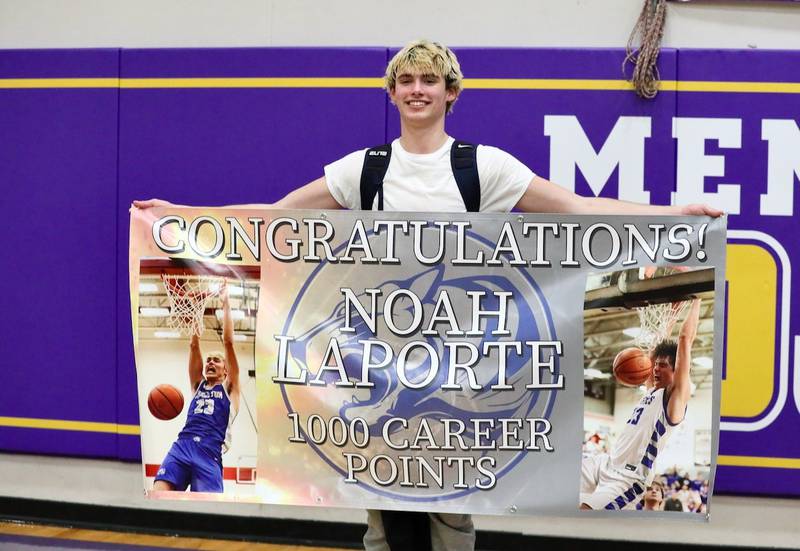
pixel 423 81
pixel 617 480
pixel 195 458
pixel 654 497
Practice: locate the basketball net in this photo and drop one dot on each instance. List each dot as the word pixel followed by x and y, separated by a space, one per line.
pixel 188 297
pixel 656 322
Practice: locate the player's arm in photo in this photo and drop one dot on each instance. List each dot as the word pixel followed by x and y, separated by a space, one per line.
pixel 232 384
pixel 681 389
pixel 195 363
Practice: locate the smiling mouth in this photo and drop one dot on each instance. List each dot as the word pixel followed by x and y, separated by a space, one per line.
pixel 417 103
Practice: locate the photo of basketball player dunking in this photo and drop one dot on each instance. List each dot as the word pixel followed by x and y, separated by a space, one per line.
pixel 618 480
pixel 195 459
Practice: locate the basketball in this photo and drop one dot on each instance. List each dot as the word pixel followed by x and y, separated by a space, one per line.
pixel 632 367
pixel 165 402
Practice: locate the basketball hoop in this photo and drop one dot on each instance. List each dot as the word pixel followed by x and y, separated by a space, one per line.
pixel 188 296
pixel 656 322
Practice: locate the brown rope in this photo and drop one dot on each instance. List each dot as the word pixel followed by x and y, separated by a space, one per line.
pixel 648 30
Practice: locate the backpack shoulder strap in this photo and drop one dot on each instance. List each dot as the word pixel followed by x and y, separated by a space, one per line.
pixel 465 170
pixel 376 163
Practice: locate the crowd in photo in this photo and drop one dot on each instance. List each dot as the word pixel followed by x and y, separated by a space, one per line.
pixel 674 490
pixel 684 493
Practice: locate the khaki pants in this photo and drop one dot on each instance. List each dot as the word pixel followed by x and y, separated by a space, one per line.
pixel 449 532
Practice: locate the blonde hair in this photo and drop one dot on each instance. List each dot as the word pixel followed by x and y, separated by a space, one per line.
pixel 218 354
pixel 426 57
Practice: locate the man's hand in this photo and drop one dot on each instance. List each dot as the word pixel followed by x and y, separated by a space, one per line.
pixel 150 203
pixel 701 210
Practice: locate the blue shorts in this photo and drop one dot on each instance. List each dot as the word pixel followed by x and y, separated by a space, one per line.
pixel 190 464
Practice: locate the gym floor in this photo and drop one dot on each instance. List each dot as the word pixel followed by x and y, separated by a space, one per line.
pixel 69 499
pixel 24 536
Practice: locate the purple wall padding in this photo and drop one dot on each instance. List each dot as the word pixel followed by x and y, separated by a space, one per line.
pixel 747 166
pixel 58 168
pixel 757 481
pixel 514 119
pixel 72 160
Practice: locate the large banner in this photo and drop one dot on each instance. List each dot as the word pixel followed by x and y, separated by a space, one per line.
pixel 476 363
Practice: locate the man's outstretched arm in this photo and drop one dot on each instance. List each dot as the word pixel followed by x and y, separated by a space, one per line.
pixel 545 196
pixel 314 195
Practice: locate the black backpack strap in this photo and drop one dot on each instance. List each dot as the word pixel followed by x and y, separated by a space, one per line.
pixel 376 162
pixel 465 170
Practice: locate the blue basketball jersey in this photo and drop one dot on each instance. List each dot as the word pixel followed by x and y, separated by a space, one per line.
pixel 210 417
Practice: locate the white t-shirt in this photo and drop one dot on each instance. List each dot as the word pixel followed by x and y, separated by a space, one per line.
pixel 425 182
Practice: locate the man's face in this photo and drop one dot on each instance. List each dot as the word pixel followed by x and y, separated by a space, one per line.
pixel 654 495
pixel 663 371
pixel 214 369
pixel 421 98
